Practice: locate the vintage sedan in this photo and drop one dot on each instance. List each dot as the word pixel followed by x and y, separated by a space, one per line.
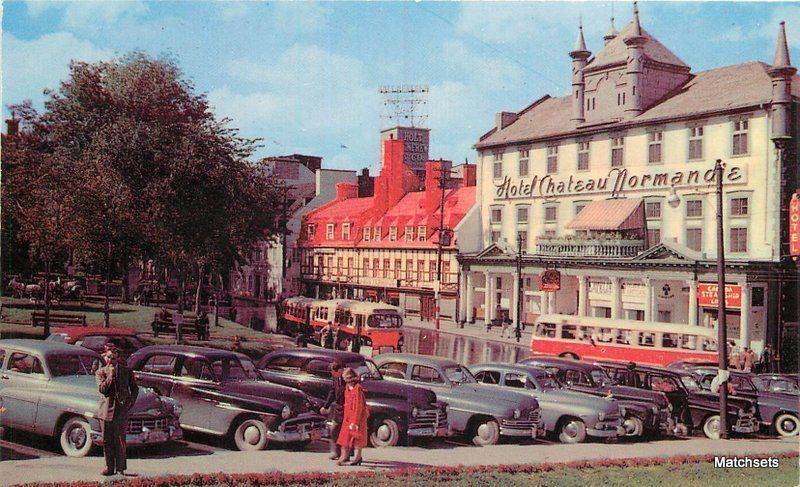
pixel 96 338
pixel 569 415
pixel 398 412
pixel 783 383
pixel 642 411
pixel 482 413
pixel 48 388
pixel 223 394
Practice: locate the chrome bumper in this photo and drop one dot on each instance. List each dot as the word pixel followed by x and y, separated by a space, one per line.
pixel 747 424
pixel 607 429
pixel 518 428
pixel 306 427
pixel 282 437
pixel 172 433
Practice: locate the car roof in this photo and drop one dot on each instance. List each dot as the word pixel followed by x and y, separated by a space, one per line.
pixel 338 355
pixel 520 368
pixel 82 331
pixel 41 346
pixel 189 350
pixel 418 359
pixel 559 361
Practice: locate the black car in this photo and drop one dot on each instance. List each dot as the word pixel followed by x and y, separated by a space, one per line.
pixel 783 383
pixel 777 410
pixel 223 394
pixel 398 412
pixel 643 411
pixel 694 407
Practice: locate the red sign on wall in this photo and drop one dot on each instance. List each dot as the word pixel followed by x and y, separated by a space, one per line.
pixel 794 226
pixel 550 280
pixel 708 296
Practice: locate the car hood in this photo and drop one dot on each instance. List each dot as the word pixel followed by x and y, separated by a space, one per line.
pixel 384 389
pixel 257 391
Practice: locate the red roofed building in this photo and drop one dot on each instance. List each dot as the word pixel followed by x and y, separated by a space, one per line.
pixel 385 247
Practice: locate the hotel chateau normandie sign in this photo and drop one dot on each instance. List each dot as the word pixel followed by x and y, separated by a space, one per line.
pixel 617 181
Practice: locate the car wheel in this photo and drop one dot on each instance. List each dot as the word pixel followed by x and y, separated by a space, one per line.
pixel 250 435
pixel 486 432
pixel 711 427
pixel 385 433
pixel 572 431
pixel 76 437
pixel 569 355
pixel 787 425
pixel 633 426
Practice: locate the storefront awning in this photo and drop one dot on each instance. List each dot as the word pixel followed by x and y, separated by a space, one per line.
pixel 617 214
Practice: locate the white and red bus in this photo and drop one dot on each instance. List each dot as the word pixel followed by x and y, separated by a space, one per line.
pixel 587 337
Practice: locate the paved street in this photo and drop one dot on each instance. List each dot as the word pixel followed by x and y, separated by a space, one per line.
pixel 191 457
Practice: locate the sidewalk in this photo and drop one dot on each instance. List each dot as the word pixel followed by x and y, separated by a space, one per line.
pixel 473 330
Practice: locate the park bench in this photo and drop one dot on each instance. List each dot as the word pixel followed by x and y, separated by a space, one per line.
pixel 168 327
pixel 58 319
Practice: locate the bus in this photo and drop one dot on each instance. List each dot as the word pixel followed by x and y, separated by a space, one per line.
pixel 379 325
pixel 587 337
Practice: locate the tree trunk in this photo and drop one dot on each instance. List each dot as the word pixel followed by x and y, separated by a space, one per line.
pixel 126 275
pixel 181 291
pixel 106 303
pixel 199 288
pixel 217 296
pixel 47 299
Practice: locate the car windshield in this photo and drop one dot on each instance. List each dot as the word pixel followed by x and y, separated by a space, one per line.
pixel 599 376
pixel 385 320
pixel 234 369
pixel 365 370
pixel 64 365
pixel 459 375
pixel 548 382
pixel 690 383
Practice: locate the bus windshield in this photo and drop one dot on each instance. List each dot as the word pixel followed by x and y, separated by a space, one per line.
pixel 385 320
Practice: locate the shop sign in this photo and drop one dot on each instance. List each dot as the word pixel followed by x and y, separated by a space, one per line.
pixel 600 290
pixel 794 226
pixel 708 296
pixel 633 292
pixel 550 280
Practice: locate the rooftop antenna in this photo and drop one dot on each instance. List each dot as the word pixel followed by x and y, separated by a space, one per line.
pixel 405 105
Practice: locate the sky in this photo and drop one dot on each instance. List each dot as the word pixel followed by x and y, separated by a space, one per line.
pixel 305 77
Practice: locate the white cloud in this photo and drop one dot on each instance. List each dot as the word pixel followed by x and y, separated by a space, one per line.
pixel 300 16
pixel 31 66
pixel 101 15
pixel 489 72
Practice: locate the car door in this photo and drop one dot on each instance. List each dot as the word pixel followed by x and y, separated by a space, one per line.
pixel 24 381
pixel 315 378
pixel 157 371
pixel 395 371
pixel 578 380
pixel 429 378
pixel 284 370
pixel 194 387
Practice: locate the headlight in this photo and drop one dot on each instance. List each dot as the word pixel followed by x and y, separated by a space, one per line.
pixel 601 416
pixel 286 412
pixel 415 412
pixel 517 414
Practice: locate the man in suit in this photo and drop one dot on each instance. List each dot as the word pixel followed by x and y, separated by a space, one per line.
pixel 118 388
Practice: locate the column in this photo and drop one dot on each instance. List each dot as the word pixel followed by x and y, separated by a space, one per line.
pixel 551 302
pixel 470 290
pixel 616 298
pixel 583 295
pixel 461 298
pixel 487 302
pixel 514 298
pixel 744 320
pixel 648 299
pixel 692 302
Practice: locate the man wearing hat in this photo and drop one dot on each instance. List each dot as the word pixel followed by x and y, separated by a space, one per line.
pixel 117 385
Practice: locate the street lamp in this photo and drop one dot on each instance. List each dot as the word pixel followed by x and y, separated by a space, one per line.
pixel 520 293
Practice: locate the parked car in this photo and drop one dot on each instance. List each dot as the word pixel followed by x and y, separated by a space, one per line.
pixel 223 394
pixel 642 411
pixel 693 407
pixel 569 415
pixel 776 410
pixel 690 363
pixel 483 413
pixel 97 337
pixel 48 388
pixel 398 412
pixel 784 383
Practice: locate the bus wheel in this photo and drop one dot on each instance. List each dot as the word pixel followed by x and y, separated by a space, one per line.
pixel 569 355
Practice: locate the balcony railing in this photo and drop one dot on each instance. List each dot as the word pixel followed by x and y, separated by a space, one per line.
pixel 611 248
pixel 405 279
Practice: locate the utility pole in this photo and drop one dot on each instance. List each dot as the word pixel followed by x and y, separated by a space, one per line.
pixel 520 291
pixel 444 176
pixel 722 331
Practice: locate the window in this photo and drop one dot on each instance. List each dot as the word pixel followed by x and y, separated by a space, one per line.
pixel 549 233
pixel 522 239
pixel 498 282
pixel 385 272
pixel 329 228
pixel 583 156
pixel 491 377
pixel 364 267
pixel 445 271
pixel 738 240
pixel 576 378
pixel 286 363
pixel 393 370
pixel 495 236
pixel 409 269
pixel 24 363
pixel 345 231
pixel 330 263
pixel 694 209
pixel 311 229
pixel 421 270
pixel 516 381
pixel 160 364
pixel 366 234
pixel 652 210
pixel 522 214
pixel 339 264
pixel 694 239
pixel 349 265
pixel 398 264
pixel 422 233
pixel 654 147
pixel 497 215
pixel 428 375
pixel 617 151
pixel 497 166
pixel 552 159
pixel 196 369
pixel 376 266
pixel 653 236
pixel 579 206
pixel 376 235
pixel 409 234
pixel 739 206
pixel 432 275
pixel 392 233
pixel 740 137
pixel 524 155
pixel 695 143
pixel 550 214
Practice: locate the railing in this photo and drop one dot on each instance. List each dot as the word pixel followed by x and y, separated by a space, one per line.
pixel 608 248
pixel 336 276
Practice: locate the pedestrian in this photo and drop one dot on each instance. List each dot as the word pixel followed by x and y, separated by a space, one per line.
pixel 177 320
pixel 353 434
pixel 118 391
pixel 201 324
pixel 506 329
pixel 333 408
pixel 326 336
pixel 733 355
pixel 765 359
pixel 747 359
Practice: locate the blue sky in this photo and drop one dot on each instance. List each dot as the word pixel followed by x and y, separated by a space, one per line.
pixel 305 76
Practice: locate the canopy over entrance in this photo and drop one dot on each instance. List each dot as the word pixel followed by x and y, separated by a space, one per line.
pixel 609 215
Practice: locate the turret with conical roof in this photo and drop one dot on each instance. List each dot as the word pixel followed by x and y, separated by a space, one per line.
pixel 635 40
pixel 579 55
pixel 611 34
pixel 781 73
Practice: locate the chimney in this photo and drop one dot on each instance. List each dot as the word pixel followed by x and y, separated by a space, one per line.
pixel 433 177
pixel 504 119
pixel 346 191
pixel 12 125
pixel 395 178
pixel 469 175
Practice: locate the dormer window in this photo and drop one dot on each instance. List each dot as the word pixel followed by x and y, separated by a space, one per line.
pixel 409 234
pixel 311 229
pixel 345 231
pixel 376 235
pixel 367 233
pixel 329 229
pixel 392 233
pixel 422 233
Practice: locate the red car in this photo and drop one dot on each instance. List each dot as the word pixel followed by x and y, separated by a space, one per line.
pixel 96 337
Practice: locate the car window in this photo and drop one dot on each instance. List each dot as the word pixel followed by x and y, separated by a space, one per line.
pixel 577 378
pixel 72 364
pixel 428 375
pixel 285 363
pixel 366 369
pixel 663 384
pixel 25 364
pixel 160 364
pixel 318 368
pixel 459 374
pixel 516 380
pixel 196 369
pixel 488 377
pixel 93 342
pixel 396 370
pixel 742 384
pixel 775 385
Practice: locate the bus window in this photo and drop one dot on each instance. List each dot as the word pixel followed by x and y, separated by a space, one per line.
pixel 547 330
pixel 569 332
pixel 624 337
pixel 385 320
pixel 647 339
pixel 586 332
pixel 688 342
pixel 606 335
pixel 709 345
pixel 669 340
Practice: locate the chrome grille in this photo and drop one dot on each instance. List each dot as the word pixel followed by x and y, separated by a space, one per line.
pixel 429 418
pixel 302 424
pixel 529 421
pixel 137 425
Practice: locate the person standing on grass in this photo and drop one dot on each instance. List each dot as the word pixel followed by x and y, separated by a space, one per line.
pixel 118 388
pixel 353 434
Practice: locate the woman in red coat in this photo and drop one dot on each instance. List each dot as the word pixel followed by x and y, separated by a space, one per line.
pixel 354 424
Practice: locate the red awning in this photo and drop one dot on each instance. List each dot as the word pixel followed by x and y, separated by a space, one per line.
pixel 617 214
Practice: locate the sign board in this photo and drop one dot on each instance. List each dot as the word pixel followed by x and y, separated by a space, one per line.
pixel 417 142
pixel 708 296
pixel 794 226
pixel 550 280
